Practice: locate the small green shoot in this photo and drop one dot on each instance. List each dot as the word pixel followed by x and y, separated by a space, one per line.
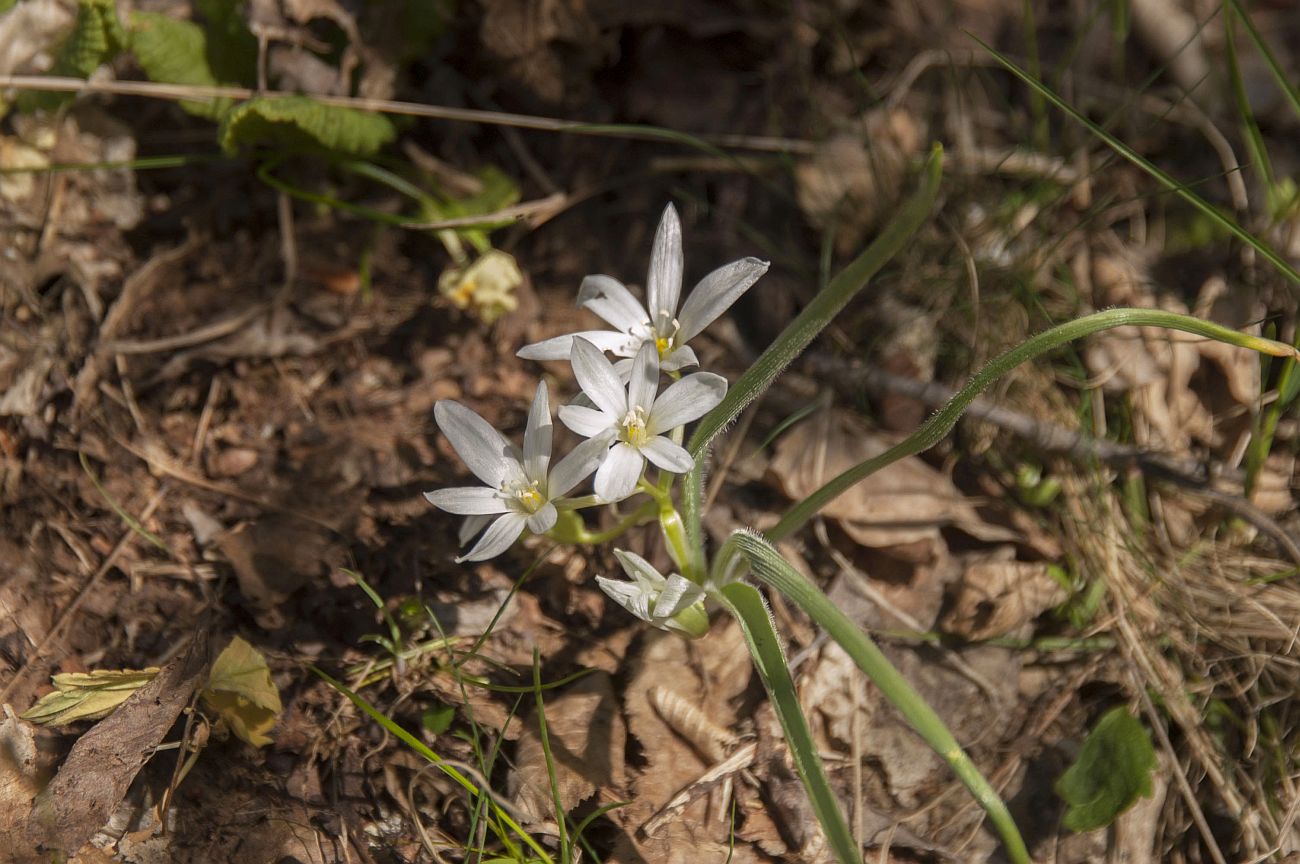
pixel 1113 770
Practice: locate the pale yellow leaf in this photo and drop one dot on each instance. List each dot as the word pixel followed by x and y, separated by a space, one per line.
pixel 87 695
pixel 241 691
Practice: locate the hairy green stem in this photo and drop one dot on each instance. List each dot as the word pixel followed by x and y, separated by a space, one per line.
pixel 747 605
pixel 768 566
pixel 799 333
pixel 943 420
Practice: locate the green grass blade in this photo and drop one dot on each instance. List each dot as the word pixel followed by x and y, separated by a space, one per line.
pixel 424 750
pixel 1254 138
pixel 747 605
pixel 1164 179
pixel 1279 74
pixel 768 566
pixel 561 819
pixel 942 421
pixel 131 522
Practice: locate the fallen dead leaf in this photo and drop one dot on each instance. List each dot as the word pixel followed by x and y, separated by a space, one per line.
pixel 104 761
pixel 586 732
pixel 22 777
pixel 994 598
pixel 907 502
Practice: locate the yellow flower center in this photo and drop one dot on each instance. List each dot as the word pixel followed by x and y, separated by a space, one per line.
pixel 529 498
pixel 662 344
pixel 632 429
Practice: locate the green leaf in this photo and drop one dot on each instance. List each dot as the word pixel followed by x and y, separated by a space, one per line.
pixel 298 122
pixel 176 52
pixel 97 36
pixel 87 695
pixel 1113 769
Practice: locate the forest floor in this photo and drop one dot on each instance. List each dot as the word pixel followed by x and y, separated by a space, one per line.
pixel 216 421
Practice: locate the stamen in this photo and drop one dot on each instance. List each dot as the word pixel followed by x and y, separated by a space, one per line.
pixel 632 428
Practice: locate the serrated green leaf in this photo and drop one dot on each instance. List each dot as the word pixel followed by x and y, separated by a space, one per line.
pixel 97 36
pixel 171 51
pixel 295 122
pixel 87 695
pixel 241 691
pixel 1113 769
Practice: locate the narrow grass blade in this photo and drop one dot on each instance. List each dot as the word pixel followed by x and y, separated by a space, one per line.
pixel 131 521
pixel 943 420
pixel 1164 179
pixel 747 605
pixel 424 750
pixel 1279 74
pixel 768 566
pixel 544 737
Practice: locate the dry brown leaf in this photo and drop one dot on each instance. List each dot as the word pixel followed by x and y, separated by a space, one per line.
pixel 22 777
pixel 272 558
pixel 709 673
pixel 996 597
pixel 32 28
pixel 854 178
pixel 522 32
pixel 104 761
pixel 904 503
pixel 586 733
pixel 1157 366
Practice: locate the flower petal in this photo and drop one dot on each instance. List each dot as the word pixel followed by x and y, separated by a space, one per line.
pixel 561 347
pixel 499 537
pixel 544 519
pixel 597 378
pixel 639 569
pixel 678 593
pixel 610 299
pixel 484 450
pixel 667 455
pixel 537 436
pixel 468 500
pixel 715 293
pixel 644 380
pixel 688 399
pixel 578 464
pixel 679 358
pixel 587 422
pixel 664 281
pixel 628 595
pixel 617 475
pixel 471 526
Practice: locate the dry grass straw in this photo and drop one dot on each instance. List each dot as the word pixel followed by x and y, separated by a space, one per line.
pixel 1210 653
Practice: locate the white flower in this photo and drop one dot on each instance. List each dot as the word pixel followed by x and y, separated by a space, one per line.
pixel 673 603
pixel 519 486
pixel 659 322
pixel 634 420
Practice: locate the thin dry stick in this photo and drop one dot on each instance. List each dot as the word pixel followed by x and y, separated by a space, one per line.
pixel 1195 477
pixel 176 92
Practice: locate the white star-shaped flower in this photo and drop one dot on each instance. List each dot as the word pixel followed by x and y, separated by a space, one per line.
pixel 519 487
pixel 672 603
pixel 659 322
pixel 633 419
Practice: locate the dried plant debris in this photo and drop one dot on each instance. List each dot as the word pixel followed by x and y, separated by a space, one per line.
pixel 104 761
pixel 586 733
pixel 908 502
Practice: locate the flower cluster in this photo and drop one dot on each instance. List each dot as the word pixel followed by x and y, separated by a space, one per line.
pixel 623 417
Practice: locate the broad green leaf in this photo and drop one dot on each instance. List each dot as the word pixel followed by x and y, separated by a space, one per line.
pixel 87 695
pixel 296 122
pixel 171 51
pixel 240 689
pixel 1113 769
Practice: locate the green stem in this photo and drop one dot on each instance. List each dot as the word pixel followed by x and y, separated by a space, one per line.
pixel 795 338
pixel 747 605
pixel 942 421
pixel 768 566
